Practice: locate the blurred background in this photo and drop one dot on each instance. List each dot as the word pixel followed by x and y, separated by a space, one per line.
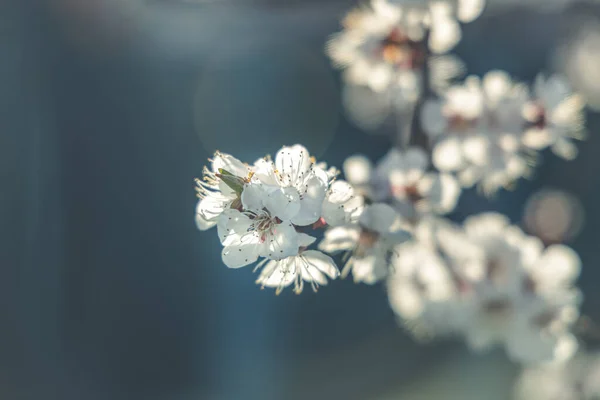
pixel 108 111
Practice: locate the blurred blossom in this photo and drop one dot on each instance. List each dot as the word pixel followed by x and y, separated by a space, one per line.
pixel 367 244
pixel 487 131
pixel 383 46
pixel 578 379
pixel 369 109
pixel 579 58
pixel 553 215
pixel 403 179
pixel 554 116
pixel 475 131
pixel 490 283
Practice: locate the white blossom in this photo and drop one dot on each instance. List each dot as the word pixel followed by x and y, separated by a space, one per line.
pixel 299 180
pixel 490 283
pixel 215 194
pixel 555 116
pixel 368 244
pixel 382 47
pixel 309 266
pixel 476 129
pixel 341 205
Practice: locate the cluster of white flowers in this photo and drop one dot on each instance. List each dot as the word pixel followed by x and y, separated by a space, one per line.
pixel 490 283
pixel 261 210
pixel 485 281
pixel 488 130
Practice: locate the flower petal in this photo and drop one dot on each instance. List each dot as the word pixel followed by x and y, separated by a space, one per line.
pixel 293 164
pixel 282 242
pixel 378 217
pixel 283 203
pixel 341 205
pixel 230 164
pixel 312 196
pixel 447 154
pixel 357 169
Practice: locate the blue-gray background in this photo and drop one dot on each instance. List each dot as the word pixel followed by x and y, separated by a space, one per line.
pixel 108 291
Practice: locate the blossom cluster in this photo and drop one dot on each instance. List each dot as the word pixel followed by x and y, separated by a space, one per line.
pixel 262 211
pixel 487 131
pixel 489 282
pixel 485 281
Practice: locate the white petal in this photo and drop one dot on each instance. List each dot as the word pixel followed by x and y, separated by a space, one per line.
pixel 283 203
pixel 229 164
pixel 380 77
pixel 478 150
pixel 370 269
pixel 341 205
pixel 232 225
pixel 469 10
pixel 378 217
pixel 340 238
pixel 281 273
pixel 316 265
pixel 305 240
pixel 442 191
pixel 313 194
pixel 253 196
pixel 496 85
pixel 241 250
pixel 264 170
pixel 559 265
pixel 357 170
pixel 445 34
pixel 537 139
pixel 566 149
pixel 209 208
pixel 293 163
pixel 447 154
pixel 282 242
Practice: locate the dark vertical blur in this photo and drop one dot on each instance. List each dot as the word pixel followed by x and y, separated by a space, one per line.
pixel 108 110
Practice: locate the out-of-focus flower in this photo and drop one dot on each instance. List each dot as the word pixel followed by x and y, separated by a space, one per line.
pixel 308 266
pixel 579 57
pixel 578 379
pixel 383 48
pixel 525 297
pixel 215 194
pixel 342 205
pixel 490 283
pixel 368 244
pixel 553 215
pixel 423 291
pixel 463 10
pixel 401 178
pixel 555 116
pixel 476 130
pixel 414 191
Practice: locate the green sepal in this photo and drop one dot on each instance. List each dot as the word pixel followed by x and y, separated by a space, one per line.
pixel 233 181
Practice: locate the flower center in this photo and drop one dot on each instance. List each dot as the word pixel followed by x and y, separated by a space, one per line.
pixel 458 123
pixel 397 49
pixel 367 238
pixel 539 117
